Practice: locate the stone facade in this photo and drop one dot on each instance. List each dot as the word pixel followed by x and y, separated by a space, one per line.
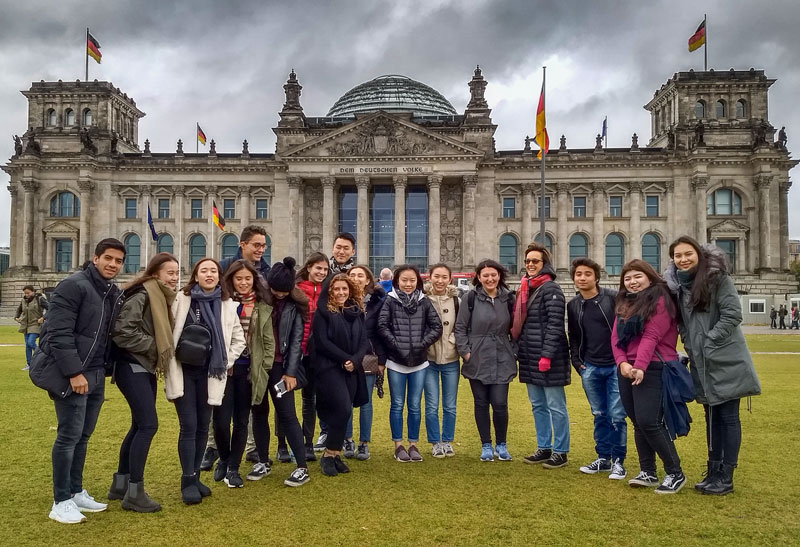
pixel 710 169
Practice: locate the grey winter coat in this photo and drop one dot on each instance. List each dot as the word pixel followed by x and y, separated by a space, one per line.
pixel 484 335
pixel 721 365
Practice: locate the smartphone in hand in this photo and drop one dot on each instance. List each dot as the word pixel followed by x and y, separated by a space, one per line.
pixel 280 388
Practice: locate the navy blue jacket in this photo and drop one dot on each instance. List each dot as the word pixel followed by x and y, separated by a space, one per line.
pixel 263 265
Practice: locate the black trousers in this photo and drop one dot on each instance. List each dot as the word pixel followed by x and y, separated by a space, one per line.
pixel 496 396
pixel 139 389
pixel 235 405
pixel 286 416
pixel 194 413
pixel 334 390
pixel 309 412
pixel 643 405
pixel 724 432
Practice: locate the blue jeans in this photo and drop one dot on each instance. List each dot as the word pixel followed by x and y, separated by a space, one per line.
pixel 610 427
pixel 77 418
pixel 30 346
pixel 450 377
pixel 398 384
pixel 550 417
pixel 364 415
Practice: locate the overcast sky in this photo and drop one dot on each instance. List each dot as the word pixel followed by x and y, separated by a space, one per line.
pixel 223 64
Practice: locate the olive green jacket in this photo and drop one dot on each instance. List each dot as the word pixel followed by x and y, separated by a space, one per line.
pixel 261 344
pixel 29 313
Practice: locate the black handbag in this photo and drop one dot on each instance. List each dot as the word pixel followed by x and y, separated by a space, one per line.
pixel 194 345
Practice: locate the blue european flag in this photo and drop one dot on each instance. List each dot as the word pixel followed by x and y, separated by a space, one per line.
pixel 150 223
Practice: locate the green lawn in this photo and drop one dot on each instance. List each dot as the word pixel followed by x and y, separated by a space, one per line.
pixel 458 501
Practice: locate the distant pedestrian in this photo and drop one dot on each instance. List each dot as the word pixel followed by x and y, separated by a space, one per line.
pixel 782 313
pixel 773 317
pixel 796 317
pixel 30 316
pixel 386 280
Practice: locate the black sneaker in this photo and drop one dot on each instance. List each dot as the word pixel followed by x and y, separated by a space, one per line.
pixel 220 471
pixel 672 484
pixel 349 448
pixel 341 467
pixel 252 456
pixel 319 446
pixel 555 461
pixel 328 466
pixel 600 465
pixel 298 477
pixel 260 470
pixel 209 458
pixel 233 479
pixel 540 456
pixel 310 456
pixel 283 455
pixel 363 452
pixel 645 479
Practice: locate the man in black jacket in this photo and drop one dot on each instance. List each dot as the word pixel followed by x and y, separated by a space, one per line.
pixel 74 348
pixel 590 317
pixel 252 246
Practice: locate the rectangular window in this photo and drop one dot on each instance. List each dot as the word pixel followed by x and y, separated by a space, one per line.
pixel 163 208
pixel 579 206
pixel 417 227
pixel 615 206
pixel 509 207
pixel 261 208
pixel 758 306
pixel 729 246
pixel 546 207
pixel 229 208
pixel 381 228
pixel 651 206
pixel 63 255
pixel 348 209
pixel 197 208
pixel 130 208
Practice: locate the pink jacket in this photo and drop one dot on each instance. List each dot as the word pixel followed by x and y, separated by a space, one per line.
pixel 660 334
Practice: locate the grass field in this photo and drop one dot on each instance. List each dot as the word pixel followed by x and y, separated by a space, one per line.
pixel 457 501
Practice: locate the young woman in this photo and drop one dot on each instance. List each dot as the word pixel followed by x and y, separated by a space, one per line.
pixel 408 325
pixel 444 363
pixel 143 336
pixel 482 334
pixel 721 365
pixel 544 356
pixel 205 318
pixel 643 337
pixel 340 343
pixel 373 296
pixel 289 308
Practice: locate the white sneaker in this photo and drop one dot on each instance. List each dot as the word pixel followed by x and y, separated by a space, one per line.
pixel 438 450
pixel 618 471
pixel 66 512
pixel 85 502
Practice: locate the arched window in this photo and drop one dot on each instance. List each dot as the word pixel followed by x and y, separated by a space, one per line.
pixel 700 109
pixel 230 244
pixel 741 108
pixel 651 250
pixel 51 118
pixel 69 117
pixel 197 248
pixel 578 247
pixel 722 109
pixel 87 117
pixel 615 253
pixel 65 204
pixel 165 244
pixel 133 253
pixel 548 242
pixel 508 252
pixel 724 202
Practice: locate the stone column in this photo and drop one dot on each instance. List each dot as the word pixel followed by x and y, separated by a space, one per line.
pixel 146 238
pixel 113 209
pixel 244 206
pixel 400 184
pixel 29 186
pixel 177 239
pixel 562 228
pixel 635 238
pixel 598 213
pixel 434 219
pixel 51 254
pixel 784 215
pixel 669 197
pixel 468 227
pixel 700 183
pixel 85 186
pixel 211 197
pixel 293 183
pixel 74 253
pixel 527 214
pixel 328 225
pixel 362 220
pixel 762 184
pixel 14 230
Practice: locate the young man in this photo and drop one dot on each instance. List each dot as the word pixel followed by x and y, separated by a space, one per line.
pixel 30 316
pixel 74 353
pixel 342 257
pixel 773 316
pixel 590 317
pixel 782 312
pixel 795 318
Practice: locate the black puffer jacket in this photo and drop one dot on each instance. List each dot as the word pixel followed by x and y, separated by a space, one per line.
pixel 373 302
pixel 407 334
pixel 543 335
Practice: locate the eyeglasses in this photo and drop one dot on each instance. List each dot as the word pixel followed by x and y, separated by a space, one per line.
pixel 258 245
pixel 533 261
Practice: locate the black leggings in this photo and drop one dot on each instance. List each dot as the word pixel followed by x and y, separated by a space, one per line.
pixel 495 395
pixel 286 416
pixel 643 405
pixel 194 413
pixel 724 433
pixel 139 389
pixel 236 405
pixel 309 413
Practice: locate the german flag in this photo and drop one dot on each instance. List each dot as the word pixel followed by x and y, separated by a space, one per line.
pixel 200 135
pixel 541 127
pixel 93 48
pixel 218 219
pixel 698 39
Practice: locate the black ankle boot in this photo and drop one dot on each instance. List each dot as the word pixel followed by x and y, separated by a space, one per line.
pixel 204 490
pixel 723 481
pixel 119 486
pixel 136 499
pixel 713 467
pixel 341 467
pixel 328 466
pixel 189 492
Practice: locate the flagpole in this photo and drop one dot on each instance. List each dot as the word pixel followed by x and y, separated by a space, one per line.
pixel 86 54
pixel 705 45
pixel 197 138
pixel 606 132
pixel 542 195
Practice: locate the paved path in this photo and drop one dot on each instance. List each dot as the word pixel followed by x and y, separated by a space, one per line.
pixel 764 329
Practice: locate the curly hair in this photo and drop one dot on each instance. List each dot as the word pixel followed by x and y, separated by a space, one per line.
pixel 355 294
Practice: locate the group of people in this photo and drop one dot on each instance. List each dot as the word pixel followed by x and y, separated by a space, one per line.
pixel 242 334
pixel 781 313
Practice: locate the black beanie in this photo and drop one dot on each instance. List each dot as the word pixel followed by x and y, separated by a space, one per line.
pixel 281 275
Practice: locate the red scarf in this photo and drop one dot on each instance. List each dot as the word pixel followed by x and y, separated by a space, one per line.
pixel 521 305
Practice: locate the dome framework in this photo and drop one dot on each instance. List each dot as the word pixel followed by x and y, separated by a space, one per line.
pixel 392 93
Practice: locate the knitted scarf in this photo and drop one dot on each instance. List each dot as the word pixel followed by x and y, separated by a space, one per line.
pixel 521 305
pixel 211 313
pixel 161 298
pixel 409 301
pixel 336 268
pixel 630 328
pixel 686 278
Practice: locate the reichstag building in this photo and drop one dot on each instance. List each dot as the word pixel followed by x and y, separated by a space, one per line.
pixel 414 179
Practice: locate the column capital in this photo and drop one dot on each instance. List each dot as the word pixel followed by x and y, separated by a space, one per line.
pixel 669 185
pixel 527 188
pixel 635 186
pixel 85 186
pixel 400 181
pixel 294 182
pixel 762 182
pixel 328 182
pixel 434 181
pixel 211 189
pixel 177 190
pixel 562 187
pixel 699 183
pixel 29 185
pixel 470 181
pixel 245 190
pixel 362 182
pixel 785 185
pixel 599 187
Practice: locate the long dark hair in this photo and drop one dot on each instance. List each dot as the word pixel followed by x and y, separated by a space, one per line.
pixel 312 259
pixel 405 267
pixel 259 287
pixel 370 286
pixel 701 287
pixel 489 263
pixel 150 272
pixel 296 295
pixel 645 302
pixel 187 289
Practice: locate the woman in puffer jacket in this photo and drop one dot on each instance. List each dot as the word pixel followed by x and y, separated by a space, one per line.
pixel 544 356
pixel 408 325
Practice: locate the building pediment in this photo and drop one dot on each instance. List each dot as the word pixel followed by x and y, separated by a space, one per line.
pixel 728 226
pixel 60 228
pixel 381 135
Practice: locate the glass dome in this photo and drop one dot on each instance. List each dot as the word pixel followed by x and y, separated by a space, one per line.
pixel 392 93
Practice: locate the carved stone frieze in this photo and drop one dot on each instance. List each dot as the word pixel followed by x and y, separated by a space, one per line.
pixel 312 218
pixel 381 137
pixel 450 224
